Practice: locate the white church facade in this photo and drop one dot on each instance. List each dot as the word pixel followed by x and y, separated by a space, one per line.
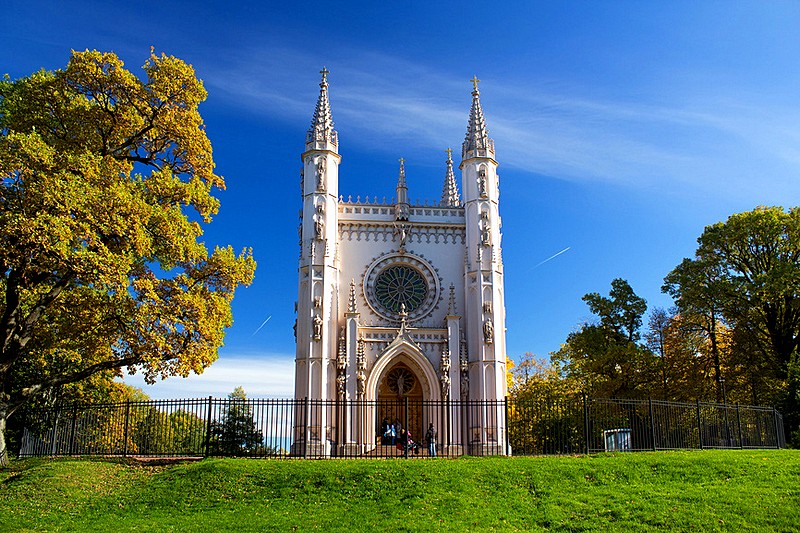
pixel 400 311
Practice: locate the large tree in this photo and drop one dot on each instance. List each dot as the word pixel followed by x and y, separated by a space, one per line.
pixel 746 272
pixel 107 180
pixel 605 357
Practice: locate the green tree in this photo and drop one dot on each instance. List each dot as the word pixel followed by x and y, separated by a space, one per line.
pixel 754 261
pixel 606 358
pixel 236 432
pixel 107 181
pixel 697 287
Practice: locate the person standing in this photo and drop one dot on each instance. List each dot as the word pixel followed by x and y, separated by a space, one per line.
pixel 430 438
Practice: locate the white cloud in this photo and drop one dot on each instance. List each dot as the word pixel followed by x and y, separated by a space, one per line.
pixel 261 375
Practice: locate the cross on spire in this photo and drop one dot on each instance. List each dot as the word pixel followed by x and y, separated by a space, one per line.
pixel 324 73
pixel 449 153
pixel 475 82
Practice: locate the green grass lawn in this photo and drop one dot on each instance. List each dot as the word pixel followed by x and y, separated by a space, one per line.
pixel 672 491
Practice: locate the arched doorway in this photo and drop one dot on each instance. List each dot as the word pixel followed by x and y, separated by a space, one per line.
pixel 401 376
pixel 398 388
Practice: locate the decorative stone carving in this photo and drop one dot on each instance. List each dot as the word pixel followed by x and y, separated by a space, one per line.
pixel 351 304
pixel 486 235
pixel 402 231
pixel 321 174
pixel 317 328
pixel 318 302
pixel 464 370
pixel 361 366
pixel 319 228
pixel 488 331
pixel 487 307
pixel 482 183
pixel 451 307
pixel 341 365
pixel 444 374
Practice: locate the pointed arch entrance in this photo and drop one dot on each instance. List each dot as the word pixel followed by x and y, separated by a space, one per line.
pixel 403 383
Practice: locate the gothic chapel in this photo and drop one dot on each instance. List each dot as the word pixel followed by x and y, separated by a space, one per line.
pixel 399 304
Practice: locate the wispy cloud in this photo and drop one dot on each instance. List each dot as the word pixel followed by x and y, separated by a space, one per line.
pixel 262 376
pixel 732 144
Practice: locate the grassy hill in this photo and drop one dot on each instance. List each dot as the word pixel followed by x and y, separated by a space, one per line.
pixel 674 491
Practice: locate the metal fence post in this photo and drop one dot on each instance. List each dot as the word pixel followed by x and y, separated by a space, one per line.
pixel 125 434
pixel 777 432
pixel 208 425
pixel 306 417
pixel 739 424
pixel 405 427
pixel 586 422
pixel 699 424
pixel 652 423
pixel 71 447
pixel 508 444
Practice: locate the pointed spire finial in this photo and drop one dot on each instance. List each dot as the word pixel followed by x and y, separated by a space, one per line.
pixel 351 307
pixel 450 196
pixel 402 208
pixel 451 308
pixel 321 130
pixel 477 139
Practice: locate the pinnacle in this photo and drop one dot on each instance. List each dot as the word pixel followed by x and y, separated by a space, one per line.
pixel 401 207
pixel 477 138
pixel 321 129
pixel 450 196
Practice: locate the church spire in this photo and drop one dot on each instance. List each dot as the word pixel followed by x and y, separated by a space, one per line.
pixel 321 130
pixel 477 140
pixel 401 209
pixel 450 190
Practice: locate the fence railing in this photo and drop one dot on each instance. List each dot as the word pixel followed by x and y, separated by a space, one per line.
pixel 314 428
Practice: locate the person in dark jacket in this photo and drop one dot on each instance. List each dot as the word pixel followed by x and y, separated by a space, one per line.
pixel 430 438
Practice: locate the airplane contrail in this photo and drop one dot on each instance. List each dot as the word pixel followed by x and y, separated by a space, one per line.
pixel 552 257
pixel 261 326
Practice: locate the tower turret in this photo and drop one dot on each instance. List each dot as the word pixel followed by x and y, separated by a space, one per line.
pixel 318 271
pixel 485 310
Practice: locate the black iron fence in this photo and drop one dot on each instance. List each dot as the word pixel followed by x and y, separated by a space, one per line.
pixel 315 429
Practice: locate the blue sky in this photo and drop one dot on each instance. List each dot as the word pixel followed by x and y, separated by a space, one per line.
pixel 622 129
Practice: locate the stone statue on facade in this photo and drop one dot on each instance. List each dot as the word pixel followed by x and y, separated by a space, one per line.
pixel 444 374
pixel 317 327
pixel 464 368
pixel 486 235
pixel 319 228
pixel 482 183
pixel 488 331
pixel 321 175
pixel 361 367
